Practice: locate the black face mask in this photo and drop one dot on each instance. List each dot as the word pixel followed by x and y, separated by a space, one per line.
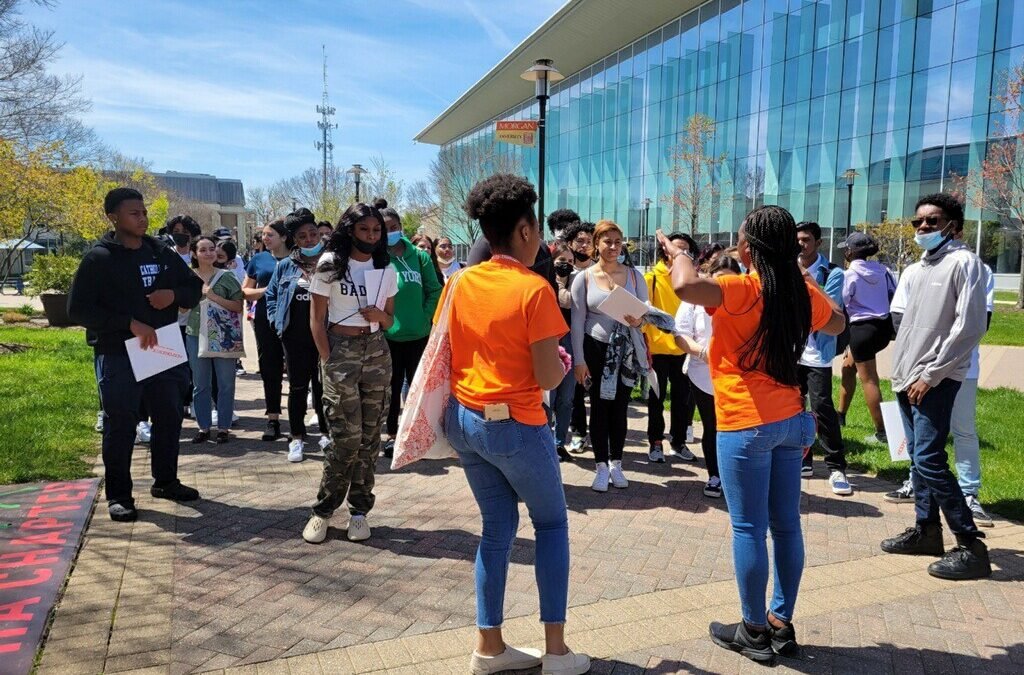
pixel 563 269
pixel 363 247
pixel 181 238
pixel 580 257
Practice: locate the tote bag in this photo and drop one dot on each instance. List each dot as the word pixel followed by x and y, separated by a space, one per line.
pixel 220 330
pixel 421 430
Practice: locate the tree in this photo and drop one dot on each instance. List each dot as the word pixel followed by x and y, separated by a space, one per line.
pixel 997 185
pixel 37 108
pixel 382 181
pixel 307 189
pixel 896 246
pixel 452 175
pixel 694 173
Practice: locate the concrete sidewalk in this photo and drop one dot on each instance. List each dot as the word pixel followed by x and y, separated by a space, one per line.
pixel 228 584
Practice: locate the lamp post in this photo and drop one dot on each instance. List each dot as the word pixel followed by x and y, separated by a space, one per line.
pixel 357 172
pixel 295 201
pixel 850 175
pixel 542 73
pixel 645 228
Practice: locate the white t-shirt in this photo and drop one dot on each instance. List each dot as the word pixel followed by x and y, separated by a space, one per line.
pixel 349 294
pixel 452 269
pixel 899 306
pixel 695 323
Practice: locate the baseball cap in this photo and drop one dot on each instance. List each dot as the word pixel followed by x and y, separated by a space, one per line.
pixel 860 242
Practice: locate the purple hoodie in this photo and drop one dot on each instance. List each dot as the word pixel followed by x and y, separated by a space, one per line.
pixel 867 290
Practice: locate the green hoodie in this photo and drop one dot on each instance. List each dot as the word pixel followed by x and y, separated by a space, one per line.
pixel 418 292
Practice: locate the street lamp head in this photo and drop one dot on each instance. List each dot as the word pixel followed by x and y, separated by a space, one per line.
pixel 850 175
pixel 543 72
pixel 357 171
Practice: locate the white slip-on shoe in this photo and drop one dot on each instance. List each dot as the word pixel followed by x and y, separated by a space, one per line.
pixel 358 528
pixel 316 529
pixel 618 478
pixel 566 664
pixel 600 483
pixel 295 450
pixel 513 658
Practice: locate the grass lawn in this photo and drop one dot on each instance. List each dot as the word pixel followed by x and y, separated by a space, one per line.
pixel 1000 429
pixel 1006 296
pixel 1007 327
pixel 50 406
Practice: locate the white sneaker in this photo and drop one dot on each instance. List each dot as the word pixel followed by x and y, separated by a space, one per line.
pixel 840 485
pixel 99 422
pixel 618 478
pixel 325 441
pixel 316 529
pixel 567 664
pixel 600 483
pixel 143 432
pixel 512 658
pixel 682 452
pixel 656 455
pixel 577 445
pixel 358 528
pixel 311 420
pixel 295 450
pixel 689 434
pixel 981 519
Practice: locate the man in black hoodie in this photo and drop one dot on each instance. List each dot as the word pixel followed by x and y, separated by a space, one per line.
pixel 128 285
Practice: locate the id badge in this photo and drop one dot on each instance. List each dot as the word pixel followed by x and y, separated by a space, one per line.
pixel 497 412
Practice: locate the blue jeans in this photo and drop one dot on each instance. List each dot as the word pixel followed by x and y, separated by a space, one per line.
pixel 504 462
pixel 202 379
pixel 562 399
pixel 760 470
pixel 965 438
pixel 935 489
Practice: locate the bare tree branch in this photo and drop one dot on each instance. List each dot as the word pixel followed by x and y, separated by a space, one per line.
pixel 453 173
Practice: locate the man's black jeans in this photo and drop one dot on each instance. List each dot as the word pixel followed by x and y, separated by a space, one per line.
pixel 121 397
pixel 816 385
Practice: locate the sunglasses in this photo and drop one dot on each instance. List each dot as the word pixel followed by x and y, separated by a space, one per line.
pixel 931 220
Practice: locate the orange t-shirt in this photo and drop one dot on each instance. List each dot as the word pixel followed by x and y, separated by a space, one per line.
pixel 745 399
pixel 500 308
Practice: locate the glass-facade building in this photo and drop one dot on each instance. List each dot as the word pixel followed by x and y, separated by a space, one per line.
pixel 900 91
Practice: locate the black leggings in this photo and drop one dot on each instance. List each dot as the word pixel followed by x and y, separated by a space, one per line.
pixel 669 369
pixel 709 436
pixel 303 371
pixel 607 418
pixel 405 359
pixel 271 360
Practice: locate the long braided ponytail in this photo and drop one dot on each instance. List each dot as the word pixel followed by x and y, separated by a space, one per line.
pixel 776 345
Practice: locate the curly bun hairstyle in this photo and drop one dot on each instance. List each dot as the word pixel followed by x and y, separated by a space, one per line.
pixel 498 203
pixel 386 212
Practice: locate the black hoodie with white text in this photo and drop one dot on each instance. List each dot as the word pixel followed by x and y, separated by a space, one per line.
pixel 112 283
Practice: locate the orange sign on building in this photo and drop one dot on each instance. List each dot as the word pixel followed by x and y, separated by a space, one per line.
pixel 517 133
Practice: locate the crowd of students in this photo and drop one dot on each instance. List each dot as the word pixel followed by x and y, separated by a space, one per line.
pixel 745 336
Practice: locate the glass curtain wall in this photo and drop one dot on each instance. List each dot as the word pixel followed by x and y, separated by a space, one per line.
pixel 898 90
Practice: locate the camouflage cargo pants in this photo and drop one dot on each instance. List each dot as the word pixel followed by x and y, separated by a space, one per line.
pixel 357 386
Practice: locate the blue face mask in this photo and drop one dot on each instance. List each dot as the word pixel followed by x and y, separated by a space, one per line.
pixel 310 252
pixel 930 240
pixel 621 258
pixel 394 238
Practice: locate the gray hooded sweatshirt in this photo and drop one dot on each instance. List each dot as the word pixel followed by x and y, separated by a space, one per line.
pixel 945 318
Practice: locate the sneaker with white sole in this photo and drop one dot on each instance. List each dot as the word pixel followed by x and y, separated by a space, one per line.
pixel 689 434
pixel 579 444
pixel 99 422
pixel 513 658
pixel 981 519
pixel 618 478
pixel 682 452
pixel 325 441
pixel 713 488
pixel 143 432
pixel 311 420
pixel 807 470
pixel 234 418
pixel 904 495
pixel 840 485
pixel 296 448
pixel 656 454
pixel 358 528
pixel 600 483
pixel 566 664
pixel 316 529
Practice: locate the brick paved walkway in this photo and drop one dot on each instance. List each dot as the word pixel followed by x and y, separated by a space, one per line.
pixel 229 583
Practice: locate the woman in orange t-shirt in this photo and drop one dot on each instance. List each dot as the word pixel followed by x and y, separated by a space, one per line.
pixel 760 326
pixel 504 327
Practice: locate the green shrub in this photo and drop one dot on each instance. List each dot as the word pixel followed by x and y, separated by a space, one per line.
pixel 52 273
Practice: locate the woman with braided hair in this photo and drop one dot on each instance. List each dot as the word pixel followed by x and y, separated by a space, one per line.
pixel 760 325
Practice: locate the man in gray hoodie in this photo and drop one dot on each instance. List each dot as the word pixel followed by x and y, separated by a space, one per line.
pixel 944 321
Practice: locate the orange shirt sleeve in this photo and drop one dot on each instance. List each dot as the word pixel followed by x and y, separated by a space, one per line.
pixel 543 316
pixel 821 309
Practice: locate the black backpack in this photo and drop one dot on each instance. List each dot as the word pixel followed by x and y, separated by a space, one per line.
pixel 843 339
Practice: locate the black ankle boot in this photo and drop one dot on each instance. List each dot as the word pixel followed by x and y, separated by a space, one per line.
pixel 273 431
pixel 968 560
pixel 736 637
pixel 917 540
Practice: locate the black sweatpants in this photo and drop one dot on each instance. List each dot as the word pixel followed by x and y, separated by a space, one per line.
pixel 816 385
pixel 669 369
pixel 270 352
pixel 607 418
pixel 578 422
pixel 709 423
pixel 405 359
pixel 303 372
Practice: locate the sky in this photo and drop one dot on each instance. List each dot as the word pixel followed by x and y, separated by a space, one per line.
pixel 230 88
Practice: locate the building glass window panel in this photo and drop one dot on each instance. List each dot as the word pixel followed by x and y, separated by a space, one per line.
pixel 895 50
pixel 725 107
pixel 934 41
pixel 1010 25
pixel 706 101
pixel 750 49
pixel 753 13
pixel 859 61
pixel 924 152
pixel 748 93
pixel 930 96
pixel 895 11
pixel 774 44
pixel 892 99
pixel 830 128
pixel 861 17
pixel 732 23
pixel 975 28
pixel 816 120
pixel 800 29
pixel 966 98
